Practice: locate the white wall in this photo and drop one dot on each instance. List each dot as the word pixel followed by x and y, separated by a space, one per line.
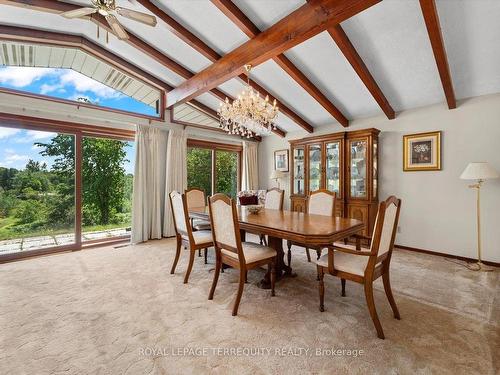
pixel 438 210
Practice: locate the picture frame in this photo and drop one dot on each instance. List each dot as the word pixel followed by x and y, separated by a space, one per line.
pixel 281 162
pixel 422 152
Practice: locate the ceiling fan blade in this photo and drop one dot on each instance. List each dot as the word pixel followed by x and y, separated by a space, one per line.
pixel 117 28
pixel 137 16
pixel 80 12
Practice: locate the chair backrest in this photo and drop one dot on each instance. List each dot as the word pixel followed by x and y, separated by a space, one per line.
pixel 274 199
pixel 384 231
pixel 195 198
pixel 180 214
pixel 225 226
pixel 321 202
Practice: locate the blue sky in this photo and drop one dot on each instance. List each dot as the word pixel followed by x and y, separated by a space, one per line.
pixel 68 84
pixel 17 145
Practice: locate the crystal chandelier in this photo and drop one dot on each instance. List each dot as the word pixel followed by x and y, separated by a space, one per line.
pixel 249 114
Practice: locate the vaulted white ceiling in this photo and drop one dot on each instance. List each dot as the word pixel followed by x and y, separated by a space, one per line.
pixel 391 38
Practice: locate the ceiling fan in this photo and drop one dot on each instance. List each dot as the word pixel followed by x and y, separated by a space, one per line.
pixel 106 8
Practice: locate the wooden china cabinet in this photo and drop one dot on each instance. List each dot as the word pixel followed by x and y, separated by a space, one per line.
pixel 345 163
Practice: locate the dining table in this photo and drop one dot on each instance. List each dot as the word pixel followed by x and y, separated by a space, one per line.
pixel 279 225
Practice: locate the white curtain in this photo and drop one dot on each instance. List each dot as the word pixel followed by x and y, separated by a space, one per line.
pixel 148 203
pixel 176 176
pixel 250 172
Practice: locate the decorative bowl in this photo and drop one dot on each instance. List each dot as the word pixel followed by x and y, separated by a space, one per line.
pixel 254 208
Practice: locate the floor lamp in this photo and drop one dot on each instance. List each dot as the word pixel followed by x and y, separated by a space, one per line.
pixel 479 172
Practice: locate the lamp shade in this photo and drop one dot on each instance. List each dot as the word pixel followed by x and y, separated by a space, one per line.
pixel 479 171
pixel 276 175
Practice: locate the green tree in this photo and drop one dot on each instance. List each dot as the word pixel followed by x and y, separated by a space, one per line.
pixel 199 169
pixel 103 174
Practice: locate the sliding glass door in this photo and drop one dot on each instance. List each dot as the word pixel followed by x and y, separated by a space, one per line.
pixel 61 191
pixel 37 190
pixel 107 181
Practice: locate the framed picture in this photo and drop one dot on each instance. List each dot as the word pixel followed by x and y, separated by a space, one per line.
pixel 422 152
pixel 281 160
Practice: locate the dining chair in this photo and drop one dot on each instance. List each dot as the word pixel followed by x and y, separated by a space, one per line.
pixel 365 265
pixel 230 250
pixel 196 198
pixel 319 202
pixel 274 201
pixel 186 237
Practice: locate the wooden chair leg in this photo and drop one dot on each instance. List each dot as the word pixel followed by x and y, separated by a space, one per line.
pixel 206 255
pixel 321 275
pixel 177 254
pixel 390 297
pixel 289 253
pixel 218 266
pixel 371 307
pixel 272 270
pixel 240 292
pixel 246 276
pixel 199 252
pixel 190 265
pixel 318 254
pixel 308 255
pixel 343 287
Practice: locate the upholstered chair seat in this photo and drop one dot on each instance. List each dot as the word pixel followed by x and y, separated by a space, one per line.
pixel 345 262
pixel 230 250
pixel 203 237
pixel 365 265
pixel 184 233
pixel 253 252
pixel 200 225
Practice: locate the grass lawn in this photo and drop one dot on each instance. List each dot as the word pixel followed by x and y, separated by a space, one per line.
pixel 8 229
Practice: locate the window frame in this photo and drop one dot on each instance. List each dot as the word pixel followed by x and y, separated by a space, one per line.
pixel 216 146
pixel 78 131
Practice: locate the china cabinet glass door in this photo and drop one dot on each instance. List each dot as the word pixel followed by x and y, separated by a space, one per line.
pixel 298 171
pixel 358 159
pixel 333 167
pixel 314 167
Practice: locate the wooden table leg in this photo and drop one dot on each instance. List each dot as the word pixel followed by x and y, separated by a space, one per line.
pixel 282 270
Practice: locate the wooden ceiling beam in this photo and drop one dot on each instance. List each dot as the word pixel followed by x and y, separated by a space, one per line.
pixel 307 21
pixel 251 30
pixel 350 53
pixel 188 37
pixel 431 19
pixel 59 7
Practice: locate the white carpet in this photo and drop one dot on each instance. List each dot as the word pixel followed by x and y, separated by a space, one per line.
pixel 119 311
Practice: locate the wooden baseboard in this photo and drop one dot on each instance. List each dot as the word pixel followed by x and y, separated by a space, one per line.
pixel 465 259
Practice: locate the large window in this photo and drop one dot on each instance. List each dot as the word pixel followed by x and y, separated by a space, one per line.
pixel 37 190
pixel 213 167
pixel 60 190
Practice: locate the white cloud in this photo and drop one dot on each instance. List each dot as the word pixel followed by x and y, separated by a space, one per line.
pixel 8 132
pixel 15 160
pixel 35 135
pixel 83 83
pixel 46 88
pixel 23 76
